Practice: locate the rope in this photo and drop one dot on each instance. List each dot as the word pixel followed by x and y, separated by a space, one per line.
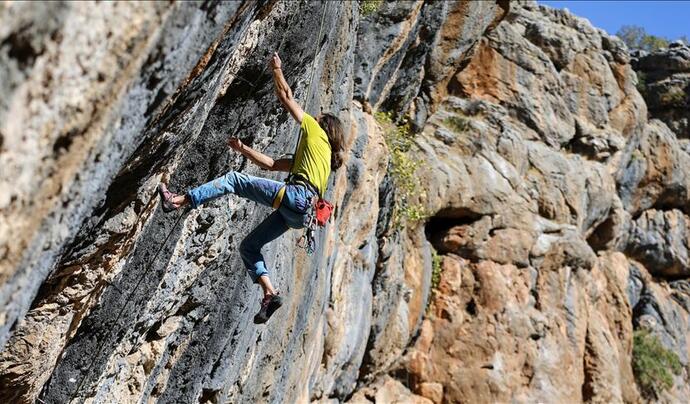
pixel 308 236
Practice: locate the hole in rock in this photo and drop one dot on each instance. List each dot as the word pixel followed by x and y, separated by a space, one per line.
pixel 471 307
pixel 448 218
pixel 440 225
pixel 209 396
pixel 602 235
pixel 20 48
pixel 63 142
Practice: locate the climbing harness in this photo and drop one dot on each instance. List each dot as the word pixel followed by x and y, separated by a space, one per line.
pixel 318 214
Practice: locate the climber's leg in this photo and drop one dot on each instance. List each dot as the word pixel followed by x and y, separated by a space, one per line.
pixel 257 189
pixel 250 249
pixel 266 285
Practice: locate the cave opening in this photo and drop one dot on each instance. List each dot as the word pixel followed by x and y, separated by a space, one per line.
pixel 447 218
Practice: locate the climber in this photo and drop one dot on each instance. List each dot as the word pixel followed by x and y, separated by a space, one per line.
pixel 319 150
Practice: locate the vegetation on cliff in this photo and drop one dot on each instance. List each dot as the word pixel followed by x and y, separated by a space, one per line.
pixel 653 364
pixel 403 169
pixel 637 38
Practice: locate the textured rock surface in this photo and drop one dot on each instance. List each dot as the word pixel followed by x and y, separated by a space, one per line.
pixel 106 299
pixel 559 210
pixel 545 173
pixel 664 77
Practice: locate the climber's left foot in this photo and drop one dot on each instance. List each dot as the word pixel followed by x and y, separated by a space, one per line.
pixel 167 198
pixel 269 305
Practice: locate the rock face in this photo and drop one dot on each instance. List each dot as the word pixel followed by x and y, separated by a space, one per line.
pixel 664 79
pixel 559 210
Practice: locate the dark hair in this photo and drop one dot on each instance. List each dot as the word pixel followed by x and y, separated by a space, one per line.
pixel 334 129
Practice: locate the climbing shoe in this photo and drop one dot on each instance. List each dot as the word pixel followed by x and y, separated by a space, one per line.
pixel 269 304
pixel 166 198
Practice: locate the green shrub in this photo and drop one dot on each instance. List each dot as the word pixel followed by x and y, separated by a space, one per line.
pixel 674 96
pixel 653 364
pixel 457 124
pixel 435 277
pixel 369 7
pixel 435 269
pixel 403 170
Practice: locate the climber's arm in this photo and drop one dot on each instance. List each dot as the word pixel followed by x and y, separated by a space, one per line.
pixel 282 165
pixel 259 158
pixel 283 90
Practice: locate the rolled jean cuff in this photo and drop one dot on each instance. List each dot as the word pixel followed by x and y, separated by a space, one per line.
pixel 257 273
pixel 192 200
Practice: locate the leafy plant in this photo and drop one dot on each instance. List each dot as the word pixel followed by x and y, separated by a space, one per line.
pixel 653 42
pixel 435 277
pixel 653 364
pixel 637 155
pixel 435 270
pixel 458 124
pixel 403 170
pixel 369 7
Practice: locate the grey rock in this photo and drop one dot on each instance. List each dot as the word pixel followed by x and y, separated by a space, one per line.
pixel 665 85
pixel 654 171
pixel 659 240
pixel 663 316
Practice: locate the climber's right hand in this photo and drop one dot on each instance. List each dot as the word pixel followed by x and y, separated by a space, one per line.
pixel 235 144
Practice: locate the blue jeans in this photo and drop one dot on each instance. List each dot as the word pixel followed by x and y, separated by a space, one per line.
pixel 291 213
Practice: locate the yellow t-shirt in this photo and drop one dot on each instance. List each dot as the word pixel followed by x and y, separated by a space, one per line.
pixel 313 157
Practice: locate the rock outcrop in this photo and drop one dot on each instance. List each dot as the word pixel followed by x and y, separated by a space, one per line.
pixel 664 80
pixel 557 201
pixel 558 209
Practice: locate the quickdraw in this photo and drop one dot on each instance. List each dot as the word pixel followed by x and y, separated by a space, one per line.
pixel 317 216
pixel 308 239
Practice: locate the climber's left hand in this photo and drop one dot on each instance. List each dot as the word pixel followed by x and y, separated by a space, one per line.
pixel 235 144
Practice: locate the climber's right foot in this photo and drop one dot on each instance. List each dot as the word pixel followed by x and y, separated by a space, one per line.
pixel 269 305
pixel 166 198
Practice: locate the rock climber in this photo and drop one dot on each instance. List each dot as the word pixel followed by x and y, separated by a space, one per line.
pixel 319 151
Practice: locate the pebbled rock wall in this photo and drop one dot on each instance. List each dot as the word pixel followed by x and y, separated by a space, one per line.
pixel 558 208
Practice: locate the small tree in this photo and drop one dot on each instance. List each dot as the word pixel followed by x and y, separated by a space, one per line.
pixel 632 35
pixel 653 42
pixel 635 37
pixel 653 364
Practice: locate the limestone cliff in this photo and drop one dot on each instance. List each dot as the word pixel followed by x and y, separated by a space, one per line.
pixel 558 208
pixel 665 84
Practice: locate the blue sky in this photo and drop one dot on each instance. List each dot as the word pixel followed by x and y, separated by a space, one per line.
pixel 669 19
